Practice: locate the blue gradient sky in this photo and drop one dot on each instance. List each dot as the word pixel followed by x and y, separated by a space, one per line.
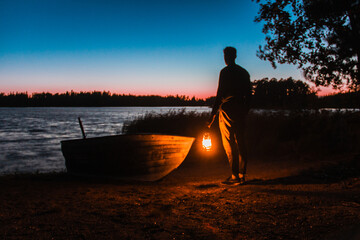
pixel 137 47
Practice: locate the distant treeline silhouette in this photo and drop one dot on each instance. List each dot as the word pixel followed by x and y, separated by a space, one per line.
pixel 93 99
pixel 271 94
pixel 284 93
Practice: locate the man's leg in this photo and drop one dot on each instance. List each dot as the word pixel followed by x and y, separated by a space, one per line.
pixel 229 143
pixel 239 128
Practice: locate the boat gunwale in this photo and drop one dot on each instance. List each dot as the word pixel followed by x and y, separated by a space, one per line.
pixel 124 135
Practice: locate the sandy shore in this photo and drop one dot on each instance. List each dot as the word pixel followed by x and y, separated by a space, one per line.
pixel 283 199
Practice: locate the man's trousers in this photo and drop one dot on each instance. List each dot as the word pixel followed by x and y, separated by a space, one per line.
pixel 232 128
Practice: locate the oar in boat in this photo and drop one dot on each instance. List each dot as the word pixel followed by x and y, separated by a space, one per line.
pixel 82 128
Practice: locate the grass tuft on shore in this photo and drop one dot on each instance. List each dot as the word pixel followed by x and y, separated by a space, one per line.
pixel 176 122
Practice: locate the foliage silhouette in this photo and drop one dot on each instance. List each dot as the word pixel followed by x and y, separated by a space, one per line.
pixel 321 37
pixel 284 93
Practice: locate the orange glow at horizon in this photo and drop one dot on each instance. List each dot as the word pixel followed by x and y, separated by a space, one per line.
pixel 201 94
pixel 324 91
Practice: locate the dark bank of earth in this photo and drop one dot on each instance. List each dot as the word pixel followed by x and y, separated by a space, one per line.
pixel 284 199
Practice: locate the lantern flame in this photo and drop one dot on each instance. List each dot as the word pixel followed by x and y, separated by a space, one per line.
pixel 206 142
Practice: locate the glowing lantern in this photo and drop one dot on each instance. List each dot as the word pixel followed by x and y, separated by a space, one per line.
pixel 206 142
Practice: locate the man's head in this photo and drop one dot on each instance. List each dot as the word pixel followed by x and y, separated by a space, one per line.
pixel 229 55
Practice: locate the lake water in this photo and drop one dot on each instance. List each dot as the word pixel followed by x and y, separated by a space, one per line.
pixel 30 137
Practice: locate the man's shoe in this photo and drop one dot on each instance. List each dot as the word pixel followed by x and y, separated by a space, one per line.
pixel 242 180
pixel 232 181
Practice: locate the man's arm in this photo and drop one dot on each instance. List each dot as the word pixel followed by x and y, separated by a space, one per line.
pixel 217 103
pixel 248 94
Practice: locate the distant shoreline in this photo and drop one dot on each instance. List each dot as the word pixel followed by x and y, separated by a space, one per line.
pixel 97 99
pixel 261 99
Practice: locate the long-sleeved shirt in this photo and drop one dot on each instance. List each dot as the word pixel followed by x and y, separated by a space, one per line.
pixel 234 84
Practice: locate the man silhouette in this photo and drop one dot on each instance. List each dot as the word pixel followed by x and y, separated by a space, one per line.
pixel 232 104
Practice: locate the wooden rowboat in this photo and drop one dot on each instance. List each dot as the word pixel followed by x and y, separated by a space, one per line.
pixel 144 157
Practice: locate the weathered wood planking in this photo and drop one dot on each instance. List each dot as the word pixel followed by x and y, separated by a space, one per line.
pixel 146 157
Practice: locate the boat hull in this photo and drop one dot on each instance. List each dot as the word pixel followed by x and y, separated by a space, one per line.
pixel 132 157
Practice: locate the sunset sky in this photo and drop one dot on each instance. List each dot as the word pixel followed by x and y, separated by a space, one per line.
pixel 137 47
